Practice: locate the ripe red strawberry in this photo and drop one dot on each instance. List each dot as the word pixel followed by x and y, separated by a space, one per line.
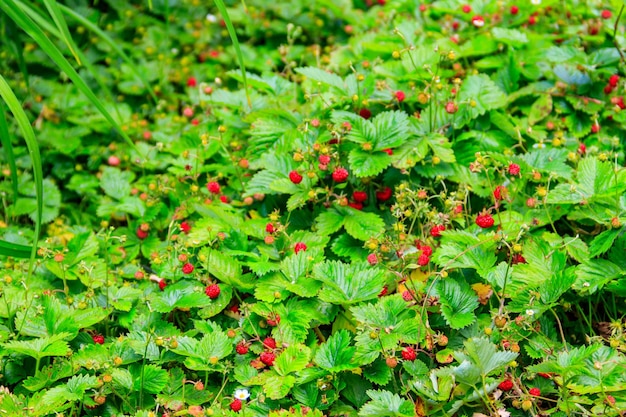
pixel 506 385
pixel 400 96
pixel 514 169
pixel 141 233
pixel 407 296
pixel 273 319
pixel 384 194
pixel 269 228
pixel 535 392
pixel 359 196
pixel 295 177
pixel 324 159
pixel 514 10
pixel 298 247
pixel 224 199
pixel 426 250
pixel 188 268
pixel 191 82
pixel 355 205
pixel 269 343
pixel 185 227
pixel 484 220
pixel 383 292
pixel 451 107
pixel 365 113
pixel 188 112
pixel 241 348
pixel 613 80
pixel 340 175
pixel 98 339
pixel 267 358
pixel 213 291
pixel 595 128
pixel 113 161
pixel 162 284
pixel 499 193
pixel 235 405
pixel 372 259
pixel 388 151
pixel 606 14
pixel 608 89
pixel 408 354
pixel 582 149
pixel 532 20
pixel 213 187
pixel 437 229
pixel 518 259
pixel 466 8
pixel 423 260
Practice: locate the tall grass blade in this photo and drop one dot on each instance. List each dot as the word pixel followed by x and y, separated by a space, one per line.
pixel 33 149
pixel 5 140
pixel 15 250
pixel 114 45
pixel 61 24
pixel 27 25
pixel 233 36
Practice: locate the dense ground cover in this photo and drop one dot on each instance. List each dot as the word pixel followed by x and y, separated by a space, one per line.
pixel 415 209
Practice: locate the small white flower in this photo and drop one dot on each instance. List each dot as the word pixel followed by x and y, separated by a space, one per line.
pixel 536 2
pixel 242 394
pixel 211 18
pixel 530 312
pixel 586 285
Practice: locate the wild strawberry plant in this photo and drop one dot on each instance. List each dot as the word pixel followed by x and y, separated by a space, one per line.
pixel 412 210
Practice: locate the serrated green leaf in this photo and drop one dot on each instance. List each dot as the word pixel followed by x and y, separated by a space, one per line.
pixel 603 242
pixel 336 354
pixel 348 284
pixel 321 76
pixel 540 109
pixel 482 353
pixel 368 164
pixel 153 377
pixel 361 225
pixel 386 404
pixel 329 222
pixel 116 183
pixel 484 92
pixel 293 359
pixel 277 387
pixel 458 302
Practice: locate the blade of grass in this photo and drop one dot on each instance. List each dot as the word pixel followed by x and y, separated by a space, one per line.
pixel 15 250
pixel 61 24
pixel 33 149
pixel 27 25
pixel 5 140
pixel 233 36
pixel 114 45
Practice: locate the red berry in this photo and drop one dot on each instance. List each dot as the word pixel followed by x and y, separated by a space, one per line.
pixel 357 206
pixel 340 175
pixel 191 82
pixel 484 220
pixel 315 122
pixel 499 193
pixel 324 159
pixel 543 375
pixel 365 113
pixel 451 107
pixel 359 196
pixel 185 227
pixel 532 20
pixel 437 229
pixel 506 385
pixel 400 96
pixel 514 9
pixel 391 362
pixel 213 187
pixel 595 128
pixel 408 354
pixel 383 292
pixel 388 151
pixel 608 89
pixel 407 296
pixel 535 392
pixel 269 343
pixel 142 234
pixel 478 21
pixel 606 14
pixel 514 169
pixel 213 291
pixel 518 259
pixel 426 250
pixel 241 348
pixel 162 284
pixel 372 259
pixel 113 160
pixel 423 260
pixel 267 358
pixel 582 149
pixel 298 247
pixel 269 228
pixel 466 8
pixel 235 405
pixel 273 320
pixel 295 177
pixel 98 339
pixel 384 194
pixel 188 268
pixel 224 199
pixel 613 80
